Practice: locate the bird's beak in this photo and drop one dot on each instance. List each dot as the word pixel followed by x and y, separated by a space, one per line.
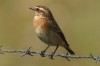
pixel 32 9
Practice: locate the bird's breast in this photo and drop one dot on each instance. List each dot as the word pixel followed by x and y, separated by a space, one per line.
pixel 41 26
pixel 39 22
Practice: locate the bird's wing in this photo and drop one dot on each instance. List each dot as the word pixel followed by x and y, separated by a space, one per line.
pixel 54 26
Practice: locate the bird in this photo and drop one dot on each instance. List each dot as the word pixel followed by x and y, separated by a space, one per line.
pixel 48 31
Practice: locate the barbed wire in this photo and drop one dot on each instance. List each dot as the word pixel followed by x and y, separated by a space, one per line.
pixel 67 56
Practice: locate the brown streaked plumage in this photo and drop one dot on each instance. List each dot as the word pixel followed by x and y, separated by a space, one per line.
pixel 48 30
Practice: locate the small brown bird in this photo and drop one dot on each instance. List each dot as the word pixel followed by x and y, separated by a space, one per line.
pixel 48 30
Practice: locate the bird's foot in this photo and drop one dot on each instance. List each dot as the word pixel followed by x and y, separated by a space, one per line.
pixel 42 53
pixel 51 56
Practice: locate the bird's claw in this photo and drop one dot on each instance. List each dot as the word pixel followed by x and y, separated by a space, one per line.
pixel 51 56
pixel 42 53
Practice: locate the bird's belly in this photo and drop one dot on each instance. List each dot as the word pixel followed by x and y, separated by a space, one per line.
pixel 43 35
pixel 49 37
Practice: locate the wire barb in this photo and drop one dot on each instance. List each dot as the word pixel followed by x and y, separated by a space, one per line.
pixel 92 56
pixel 67 57
pixel 28 52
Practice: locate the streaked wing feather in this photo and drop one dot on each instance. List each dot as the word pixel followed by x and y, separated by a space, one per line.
pixel 56 28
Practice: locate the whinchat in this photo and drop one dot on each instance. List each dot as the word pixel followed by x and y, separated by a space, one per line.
pixel 48 30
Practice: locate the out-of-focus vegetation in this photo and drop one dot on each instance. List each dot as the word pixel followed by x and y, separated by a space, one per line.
pixel 78 19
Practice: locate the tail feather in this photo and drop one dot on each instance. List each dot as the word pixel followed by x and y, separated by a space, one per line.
pixel 70 51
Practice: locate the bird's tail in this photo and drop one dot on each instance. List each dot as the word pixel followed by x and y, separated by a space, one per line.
pixel 70 50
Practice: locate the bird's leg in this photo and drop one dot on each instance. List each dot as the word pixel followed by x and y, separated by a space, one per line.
pixel 51 57
pixel 42 52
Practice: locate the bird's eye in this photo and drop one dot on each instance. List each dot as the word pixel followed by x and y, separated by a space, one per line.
pixel 37 9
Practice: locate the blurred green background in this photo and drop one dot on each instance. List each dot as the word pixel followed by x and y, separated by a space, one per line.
pixel 78 19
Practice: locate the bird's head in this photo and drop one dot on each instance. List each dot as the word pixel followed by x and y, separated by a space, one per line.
pixel 42 10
